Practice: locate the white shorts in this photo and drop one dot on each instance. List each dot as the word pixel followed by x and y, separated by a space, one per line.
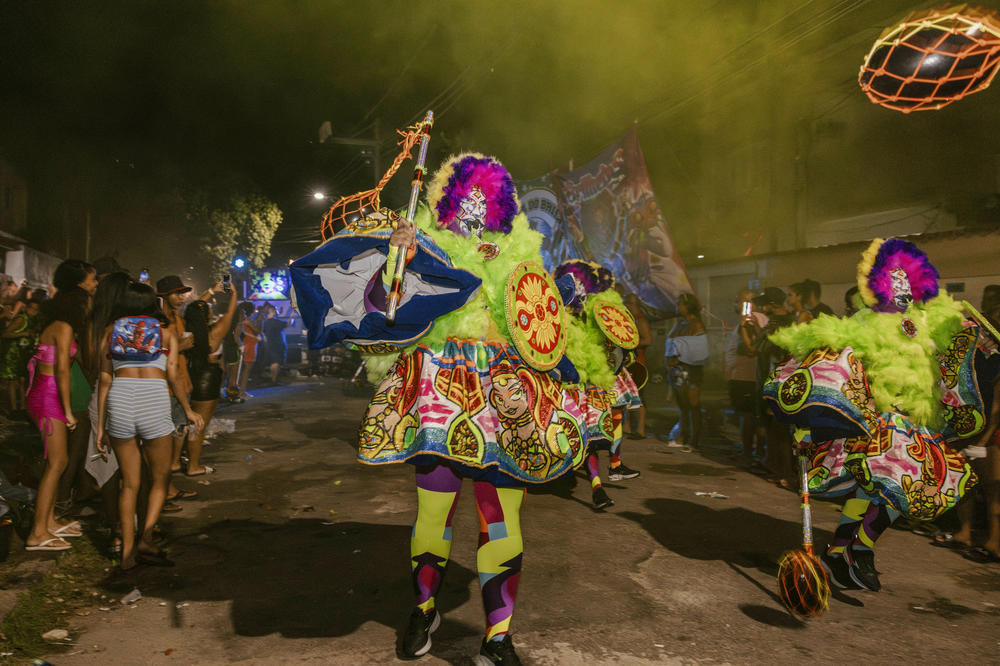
pixel 139 408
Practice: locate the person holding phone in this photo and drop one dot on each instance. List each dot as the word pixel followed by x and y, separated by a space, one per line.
pixel 204 367
pixel 741 376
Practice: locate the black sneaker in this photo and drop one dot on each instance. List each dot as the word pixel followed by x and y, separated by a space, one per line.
pixel 601 499
pixel 862 569
pixel 498 653
pixel 839 571
pixel 621 472
pixel 417 639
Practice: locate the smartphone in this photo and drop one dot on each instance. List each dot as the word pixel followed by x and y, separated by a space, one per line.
pixel 144 275
pixel 746 310
pixel 226 283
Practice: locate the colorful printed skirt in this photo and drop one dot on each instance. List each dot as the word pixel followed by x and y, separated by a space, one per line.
pixel 479 406
pixel 626 393
pixel 598 419
pixel 905 465
pixel 854 446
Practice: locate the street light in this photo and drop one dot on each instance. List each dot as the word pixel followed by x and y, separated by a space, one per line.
pixel 239 262
pixel 319 196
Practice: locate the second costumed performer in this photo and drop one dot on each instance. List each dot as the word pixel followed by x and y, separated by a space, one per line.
pixel 882 400
pixel 602 334
pixel 465 390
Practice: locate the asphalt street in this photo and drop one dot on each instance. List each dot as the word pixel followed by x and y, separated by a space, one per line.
pixel 295 553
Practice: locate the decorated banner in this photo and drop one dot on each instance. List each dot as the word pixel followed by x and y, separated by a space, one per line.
pixel 606 212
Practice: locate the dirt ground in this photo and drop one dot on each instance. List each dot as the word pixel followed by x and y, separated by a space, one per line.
pixel 296 553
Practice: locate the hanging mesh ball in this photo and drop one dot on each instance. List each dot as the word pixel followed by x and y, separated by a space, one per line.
pixel 933 58
pixel 802 583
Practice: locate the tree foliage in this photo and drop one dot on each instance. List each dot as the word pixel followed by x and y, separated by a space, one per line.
pixel 244 227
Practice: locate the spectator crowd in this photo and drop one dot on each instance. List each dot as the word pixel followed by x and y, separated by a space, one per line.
pixel 122 378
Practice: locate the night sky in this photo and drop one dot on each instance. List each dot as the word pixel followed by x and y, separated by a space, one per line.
pixel 120 108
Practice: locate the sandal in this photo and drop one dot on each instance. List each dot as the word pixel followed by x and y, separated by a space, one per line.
pixel 170 507
pixel 70 531
pixel 47 545
pixel 981 555
pixel 208 470
pixel 183 495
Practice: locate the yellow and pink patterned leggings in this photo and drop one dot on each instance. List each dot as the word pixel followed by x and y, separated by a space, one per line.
pixel 498 558
pixel 862 522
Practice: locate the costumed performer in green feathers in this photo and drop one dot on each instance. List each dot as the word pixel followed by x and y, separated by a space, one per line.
pixel 602 335
pixel 470 396
pixel 877 398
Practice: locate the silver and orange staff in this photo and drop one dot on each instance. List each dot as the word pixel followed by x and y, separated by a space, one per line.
pixel 411 209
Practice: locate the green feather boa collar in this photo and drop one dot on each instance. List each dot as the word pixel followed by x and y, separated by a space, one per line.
pixel 903 372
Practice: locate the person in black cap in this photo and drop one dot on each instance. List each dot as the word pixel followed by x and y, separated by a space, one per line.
pixel 173 292
pixel 106 266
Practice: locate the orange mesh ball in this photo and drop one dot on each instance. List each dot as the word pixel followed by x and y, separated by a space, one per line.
pixel 802 583
pixel 933 58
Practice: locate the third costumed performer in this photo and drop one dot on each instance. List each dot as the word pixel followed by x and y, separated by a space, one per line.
pixel 879 400
pixel 602 335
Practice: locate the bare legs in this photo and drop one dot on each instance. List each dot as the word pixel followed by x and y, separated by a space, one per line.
pixel 245 377
pixel 689 402
pixel 206 409
pixel 54 436
pixel 158 453
pixel 74 476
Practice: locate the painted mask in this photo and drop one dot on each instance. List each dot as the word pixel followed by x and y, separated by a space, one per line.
pixel 902 296
pixel 472 217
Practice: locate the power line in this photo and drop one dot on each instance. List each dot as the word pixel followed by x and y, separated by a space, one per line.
pixel 830 15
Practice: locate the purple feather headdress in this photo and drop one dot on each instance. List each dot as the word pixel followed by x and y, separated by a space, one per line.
pixel 888 268
pixel 455 181
pixel 592 279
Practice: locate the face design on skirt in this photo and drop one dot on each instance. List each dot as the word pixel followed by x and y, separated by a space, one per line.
pixel 902 296
pixel 472 217
pixel 508 396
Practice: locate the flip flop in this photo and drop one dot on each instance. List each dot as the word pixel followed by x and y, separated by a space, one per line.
pixel 67 532
pixel 981 555
pixel 208 470
pixel 170 507
pixel 44 546
pixel 183 495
